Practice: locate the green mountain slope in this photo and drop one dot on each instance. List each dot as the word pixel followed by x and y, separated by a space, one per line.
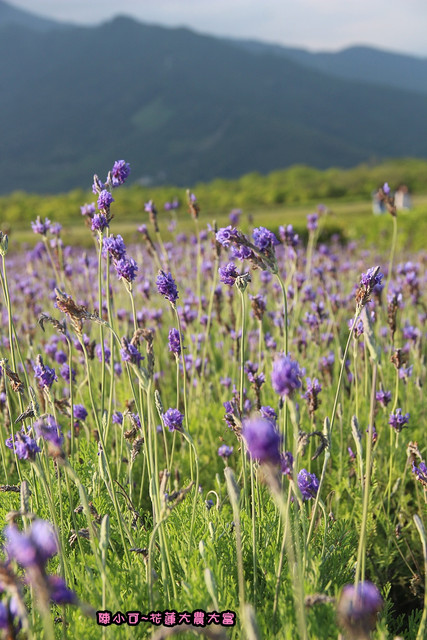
pixel 182 107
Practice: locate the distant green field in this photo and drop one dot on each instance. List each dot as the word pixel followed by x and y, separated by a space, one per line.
pixel 350 219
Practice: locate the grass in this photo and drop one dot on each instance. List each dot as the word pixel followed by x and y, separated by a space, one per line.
pixel 153 520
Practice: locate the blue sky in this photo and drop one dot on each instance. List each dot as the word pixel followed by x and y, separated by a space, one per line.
pixel 398 25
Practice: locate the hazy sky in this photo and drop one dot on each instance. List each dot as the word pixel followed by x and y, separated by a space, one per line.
pixel 399 25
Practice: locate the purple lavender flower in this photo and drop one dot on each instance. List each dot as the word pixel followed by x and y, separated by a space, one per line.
pixel 39 227
pixel 88 209
pixel 126 268
pixel 34 548
pixel 288 236
pixel 286 376
pixel 286 463
pixel 225 451
pixel 172 419
pixel 59 592
pixel 107 352
pixel 228 274
pixel 117 417
pixel 114 246
pixel 104 200
pixel 120 172
pixel 241 252
pixel 420 472
pixel 264 238
pixel 67 374
pixel 48 429
pixel 234 216
pixel 308 484
pixel 371 278
pixel 166 286
pixel 99 222
pixel 311 395
pixel 358 328
pixel 55 229
pixel 398 421
pixel 312 221
pixel 174 342
pixel 386 188
pixel 130 353
pixel 383 397
pixel 44 374
pixel 226 235
pixel 24 445
pixel 268 413
pixel 262 440
pixel 358 608
pixel 149 207
pixel 80 412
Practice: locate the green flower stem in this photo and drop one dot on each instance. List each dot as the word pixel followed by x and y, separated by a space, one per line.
pixel 392 252
pixel 253 514
pixel 233 492
pixel 423 624
pixel 70 361
pixel 295 568
pixel 242 349
pixel 285 313
pixel 92 538
pixel 112 492
pixel 361 553
pixel 209 322
pixel 101 328
pixel 337 393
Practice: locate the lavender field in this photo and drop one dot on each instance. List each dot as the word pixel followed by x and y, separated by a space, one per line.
pixel 212 433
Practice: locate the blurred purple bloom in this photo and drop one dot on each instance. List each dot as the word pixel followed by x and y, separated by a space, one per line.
pixel 23 445
pixel 88 209
pixel 225 451
pixel 33 548
pixel 383 397
pixel 286 376
pixel 80 412
pixel 262 440
pixel 286 463
pixel 117 417
pixel 39 227
pixel 358 608
pixel 312 221
pixel 59 592
pixel 398 421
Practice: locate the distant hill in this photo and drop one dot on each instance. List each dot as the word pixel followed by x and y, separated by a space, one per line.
pixel 10 15
pixel 364 64
pixel 181 107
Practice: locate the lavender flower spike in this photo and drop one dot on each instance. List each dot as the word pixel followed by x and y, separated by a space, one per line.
pixel 166 287
pixel 286 376
pixel 262 440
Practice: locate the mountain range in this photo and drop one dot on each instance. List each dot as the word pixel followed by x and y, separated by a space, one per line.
pixel 183 107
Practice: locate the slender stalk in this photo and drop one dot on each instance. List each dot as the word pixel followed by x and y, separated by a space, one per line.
pixel 360 566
